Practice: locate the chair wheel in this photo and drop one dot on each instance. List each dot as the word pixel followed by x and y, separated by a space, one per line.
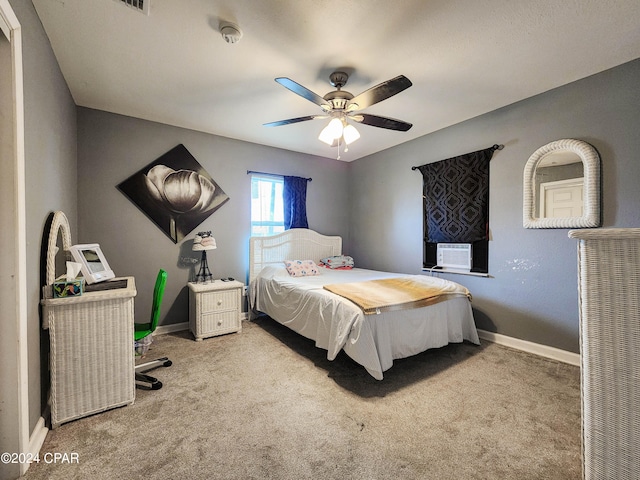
pixel 156 385
pixel 168 363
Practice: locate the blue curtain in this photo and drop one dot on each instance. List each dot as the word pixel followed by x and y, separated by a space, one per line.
pixel 295 202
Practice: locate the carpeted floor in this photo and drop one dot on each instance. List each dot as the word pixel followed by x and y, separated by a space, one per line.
pixel 266 404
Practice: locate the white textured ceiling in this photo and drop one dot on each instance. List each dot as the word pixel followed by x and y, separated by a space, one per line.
pixel 464 57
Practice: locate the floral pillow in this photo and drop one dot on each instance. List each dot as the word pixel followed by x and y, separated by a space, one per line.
pixel 301 268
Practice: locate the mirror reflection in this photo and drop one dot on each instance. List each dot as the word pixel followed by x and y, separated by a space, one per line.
pixel 559 181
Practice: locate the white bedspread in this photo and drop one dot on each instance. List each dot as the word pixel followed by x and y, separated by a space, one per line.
pixel 335 323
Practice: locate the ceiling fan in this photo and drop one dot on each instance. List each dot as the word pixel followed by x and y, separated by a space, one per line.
pixel 341 106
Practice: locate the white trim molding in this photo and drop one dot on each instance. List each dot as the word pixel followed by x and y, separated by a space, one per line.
pixel 530 347
pixel 535 348
pixel 39 434
pixel 11 28
pixel 174 327
pixel 180 327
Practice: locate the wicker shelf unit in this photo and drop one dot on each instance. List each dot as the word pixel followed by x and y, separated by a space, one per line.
pixel 609 293
pixel 91 352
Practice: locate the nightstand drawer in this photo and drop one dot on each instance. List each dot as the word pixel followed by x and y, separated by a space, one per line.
pixel 219 301
pixel 219 323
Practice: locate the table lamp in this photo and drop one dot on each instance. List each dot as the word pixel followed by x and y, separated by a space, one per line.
pixel 203 242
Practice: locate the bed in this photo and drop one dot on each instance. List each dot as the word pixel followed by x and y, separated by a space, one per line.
pixel 375 340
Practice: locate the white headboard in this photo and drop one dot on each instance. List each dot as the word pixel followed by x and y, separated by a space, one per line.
pixel 294 244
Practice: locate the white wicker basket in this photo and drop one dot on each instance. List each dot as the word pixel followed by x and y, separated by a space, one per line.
pixel 609 286
pixel 91 343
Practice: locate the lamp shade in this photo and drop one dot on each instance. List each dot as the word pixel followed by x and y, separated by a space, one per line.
pixel 203 241
pixel 326 136
pixel 331 132
pixel 350 134
pixel 335 127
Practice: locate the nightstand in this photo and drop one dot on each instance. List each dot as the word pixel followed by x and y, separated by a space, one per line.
pixel 214 308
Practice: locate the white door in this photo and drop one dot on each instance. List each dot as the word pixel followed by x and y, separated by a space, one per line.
pixel 562 198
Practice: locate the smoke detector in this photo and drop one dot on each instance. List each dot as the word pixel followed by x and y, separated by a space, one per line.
pixel 230 32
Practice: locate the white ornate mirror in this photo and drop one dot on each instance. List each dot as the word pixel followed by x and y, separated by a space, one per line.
pixel 562 186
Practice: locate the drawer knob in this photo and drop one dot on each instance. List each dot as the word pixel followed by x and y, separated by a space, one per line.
pixel 219 322
pixel 219 302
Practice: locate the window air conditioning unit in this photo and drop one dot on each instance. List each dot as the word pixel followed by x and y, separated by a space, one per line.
pixel 454 255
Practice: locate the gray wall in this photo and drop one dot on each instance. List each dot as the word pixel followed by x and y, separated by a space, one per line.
pixel 113 147
pixel 50 151
pixel 375 202
pixel 532 291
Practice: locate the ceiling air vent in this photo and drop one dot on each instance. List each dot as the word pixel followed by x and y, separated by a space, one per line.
pixel 139 5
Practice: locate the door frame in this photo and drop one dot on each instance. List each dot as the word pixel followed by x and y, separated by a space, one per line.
pixel 16 252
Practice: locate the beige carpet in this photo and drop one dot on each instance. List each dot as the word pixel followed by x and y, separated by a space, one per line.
pixel 266 404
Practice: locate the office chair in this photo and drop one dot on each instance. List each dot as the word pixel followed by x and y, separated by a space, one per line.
pixel 144 330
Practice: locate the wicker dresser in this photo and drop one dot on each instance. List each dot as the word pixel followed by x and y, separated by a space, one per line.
pixel 609 290
pixel 91 351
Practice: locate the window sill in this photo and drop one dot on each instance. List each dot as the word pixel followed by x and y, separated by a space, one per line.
pixel 452 270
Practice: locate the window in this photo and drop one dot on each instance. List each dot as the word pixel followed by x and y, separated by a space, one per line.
pixel 267 212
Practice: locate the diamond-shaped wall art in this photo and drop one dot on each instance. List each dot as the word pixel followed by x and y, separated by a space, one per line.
pixel 175 192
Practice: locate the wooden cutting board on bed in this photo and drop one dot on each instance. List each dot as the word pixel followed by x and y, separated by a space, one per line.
pixel 376 296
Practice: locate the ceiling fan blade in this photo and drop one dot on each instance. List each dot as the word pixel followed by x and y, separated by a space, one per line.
pixel 381 122
pixel 304 92
pixel 379 92
pixel 293 120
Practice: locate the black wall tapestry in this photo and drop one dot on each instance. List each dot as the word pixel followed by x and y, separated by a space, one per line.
pixel 175 192
pixel 456 198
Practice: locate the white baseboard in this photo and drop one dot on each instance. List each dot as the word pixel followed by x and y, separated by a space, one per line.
pixel 36 440
pixel 175 327
pixel 530 347
pixel 179 327
pixel 524 345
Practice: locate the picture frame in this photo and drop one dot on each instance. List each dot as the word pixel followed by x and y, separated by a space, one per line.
pixel 175 192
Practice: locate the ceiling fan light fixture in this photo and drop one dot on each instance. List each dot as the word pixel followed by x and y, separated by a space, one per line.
pixel 331 132
pixel 335 127
pixel 342 106
pixel 326 136
pixel 350 134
